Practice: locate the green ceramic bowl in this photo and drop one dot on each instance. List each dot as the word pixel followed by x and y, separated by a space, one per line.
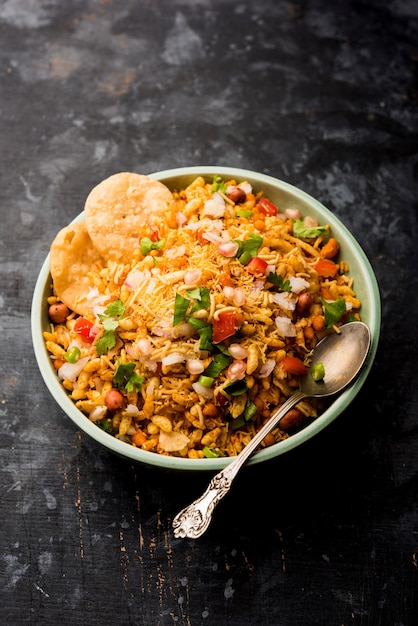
pixel 284 195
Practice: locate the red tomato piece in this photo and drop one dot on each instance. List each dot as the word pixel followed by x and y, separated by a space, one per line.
pixel 85 329
pixel 224 326
pixel 326 268
pixel 256 265
pixel 293 365
pixel 267 207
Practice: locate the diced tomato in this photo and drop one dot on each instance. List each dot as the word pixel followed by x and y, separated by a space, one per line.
pixel 326 268
pixel 154 235
pixel 85 329
pixel 293 365
pixel 224 326
pixel 267 207
pixel 256 265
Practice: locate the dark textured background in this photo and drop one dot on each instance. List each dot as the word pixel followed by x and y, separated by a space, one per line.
pixel 321 94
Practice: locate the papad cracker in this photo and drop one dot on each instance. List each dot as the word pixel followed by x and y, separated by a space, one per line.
pixel 72 257
pixel 118 207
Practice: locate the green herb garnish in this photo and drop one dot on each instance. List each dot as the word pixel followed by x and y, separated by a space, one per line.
pixel 248 249
pixel 110 320
pixel 126 378
pixel 333 311
pixel 210 453
pixel 277 280
pixel 301 232
pixel 217 365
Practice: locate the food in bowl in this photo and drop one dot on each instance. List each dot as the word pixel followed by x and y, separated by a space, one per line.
pixel 181 318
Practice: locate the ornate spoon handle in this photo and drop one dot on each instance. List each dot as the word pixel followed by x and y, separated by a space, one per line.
pixel 193 520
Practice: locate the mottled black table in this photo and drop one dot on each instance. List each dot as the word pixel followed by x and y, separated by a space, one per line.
pixel 321 94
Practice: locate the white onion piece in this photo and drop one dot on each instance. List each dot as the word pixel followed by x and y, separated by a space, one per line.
pixel 173 358
pixel 239 296
pixel 292 214
pixel 267 368
pixel 348 306
pixel 310 222
pixel 192 276
pixel 177 251
pixel 180 219
pixel 285 326
pixel 228 249
pixel 246 187
pixel 132 409
pixel 237 369
pixel 184 330
pixel 238 351
pixel 144 346
pixel 135 278
pixel 298 284
pixel 97 413
pixel 213 208
pixel 228 292
pixel 71 371
pixel 206 392
pixel 285 300
pixel 195 366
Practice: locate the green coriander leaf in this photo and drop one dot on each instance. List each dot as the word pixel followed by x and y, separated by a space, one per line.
pixel 250 410
pixel 115 309
pixel 248 249
pixel 194 293
pixel 333 311
pixel 203 299
pixel 180 308
pixel 277 280
pixel 106 342
pixel 317 371
pixel 301 232
pixel 126 378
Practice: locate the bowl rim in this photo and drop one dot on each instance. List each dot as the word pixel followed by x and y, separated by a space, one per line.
pixel 338 406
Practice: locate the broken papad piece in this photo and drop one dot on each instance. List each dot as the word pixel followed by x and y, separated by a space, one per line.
pixel 72 257
pixel 117 209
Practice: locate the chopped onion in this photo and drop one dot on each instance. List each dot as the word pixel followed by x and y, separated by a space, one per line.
pixel 298 284
pixel 195 366
pixel 285 326
pixel 213 208
pixel 206 392
pixel 228 249
pixel 292 214
pixel 177 251
pixel 267 368
pixel 97 413
pixel 71 371
pixel 285 300
pixel 192 276
pixel 173 358
pixel 132 409
pixel 239 296
pixel 135 278
pixel 310 222
pixel 144 346
pixel 245 187
pixel 180 219
pixel 238 351
pixel 237 369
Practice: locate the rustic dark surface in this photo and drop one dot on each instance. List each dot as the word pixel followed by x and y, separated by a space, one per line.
pixel 321 94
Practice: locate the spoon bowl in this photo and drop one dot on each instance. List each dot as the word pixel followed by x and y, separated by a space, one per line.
pixel 342 355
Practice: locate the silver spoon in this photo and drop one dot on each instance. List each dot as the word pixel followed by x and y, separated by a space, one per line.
pixel 342 354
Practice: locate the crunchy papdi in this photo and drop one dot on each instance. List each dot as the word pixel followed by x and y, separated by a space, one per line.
pixel 198 316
